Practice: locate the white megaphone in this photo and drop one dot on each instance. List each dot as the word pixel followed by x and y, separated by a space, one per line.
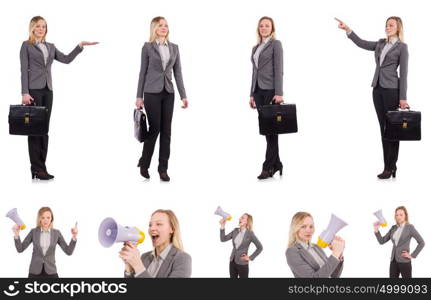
pixel 382 220
pixel 13 215
pixel 220 212
pixel 111 232
pixel 327 236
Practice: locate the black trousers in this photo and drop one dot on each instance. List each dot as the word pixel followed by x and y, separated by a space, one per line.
pixel 272 156
pixel 43 274
pixel 384 101
pixel 396 268
pixel 38 145
pixel 159 108
pixel 238 271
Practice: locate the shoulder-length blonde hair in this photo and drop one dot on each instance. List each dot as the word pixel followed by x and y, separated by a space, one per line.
pixel 39 216
pixel 175 225
pixel 295 225
pixel 400 27
pixel 33 22
pixel 249 222
pixel 272 35
pixel 153 28
pixel 404 209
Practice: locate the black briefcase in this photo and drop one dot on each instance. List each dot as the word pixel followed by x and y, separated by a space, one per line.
pixel 277 119
pixel 28 120
pixel 140 120
pixel 403 125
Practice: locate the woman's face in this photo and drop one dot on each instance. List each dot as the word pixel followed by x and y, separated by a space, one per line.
pixel 160 229
pixel 39 30
pixel 391 28
pixel 306 230
pixel 45 220
pixel 400 216
pixel 162 28
pixel 243 221
pixel 265 28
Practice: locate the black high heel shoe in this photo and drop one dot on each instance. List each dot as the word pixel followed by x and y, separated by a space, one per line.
pixel 164 176
pixel 265 174
pixel 279 169
pixel 387 174
pixel 144 172
pixel 41 175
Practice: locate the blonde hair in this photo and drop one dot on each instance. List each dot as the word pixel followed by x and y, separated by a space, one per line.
pixel 400 27
pixel 404 209
pixel 249 222
pixel 153 28
pixel 272 35
pixel 295 225
pixel 33 22
pixel 39 216
pixel 175 225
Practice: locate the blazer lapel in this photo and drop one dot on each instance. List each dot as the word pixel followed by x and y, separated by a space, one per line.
pixel 171 55
pixel 167 262
pixel 246 234
pixel 397 43
pixel 53 239
pixel 40 52
pixel 156 47
pixel 36 241
pixel 404 234
pixel 234 235
pixel 307 257
pixel 260 64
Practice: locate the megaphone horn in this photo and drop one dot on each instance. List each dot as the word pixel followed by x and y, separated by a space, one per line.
pixel 220 212
pixel 111 232
pixel 13 215
pixel 327 236
pixel 382 220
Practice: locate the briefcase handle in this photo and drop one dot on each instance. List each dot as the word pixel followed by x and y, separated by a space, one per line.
pixel 273 102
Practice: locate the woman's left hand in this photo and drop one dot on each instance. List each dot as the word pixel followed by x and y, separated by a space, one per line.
pixel 245 257
pixel 130 254
pixel 85 43
pixel 74 232
pixel 278 99
pixel 404 104
pixel 405 254
pixel 185 103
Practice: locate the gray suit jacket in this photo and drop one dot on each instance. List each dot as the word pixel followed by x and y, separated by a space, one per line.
pixel 34 73
pixel 249 237
pixel 303 265
pixel 387 74
pixel 269 72
pixel 38 259
pixel 177 264
pixel 152 77
pixel 408 233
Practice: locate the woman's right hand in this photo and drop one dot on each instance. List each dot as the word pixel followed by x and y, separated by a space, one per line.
pixel 252 103
pixel 343 26
pixel 139 103
pixel 337 247
pixel 27 99
pixel 222 223
pixel 16 229
pixel 376 226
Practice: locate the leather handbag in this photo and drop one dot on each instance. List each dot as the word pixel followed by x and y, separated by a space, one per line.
pixel 141 129
pixel 277 119
pixel 403 125
pixel 28 120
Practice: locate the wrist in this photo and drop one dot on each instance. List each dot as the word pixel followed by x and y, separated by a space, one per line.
pixel 139 267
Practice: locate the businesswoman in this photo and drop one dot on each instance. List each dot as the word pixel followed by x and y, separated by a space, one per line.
pixel 45 240
pixel 307 260
pixel 156 94
pixel 389 90
pixel 37 56
pixel 241 238
pixel 401 235
pixel 267 86
pixel 167 260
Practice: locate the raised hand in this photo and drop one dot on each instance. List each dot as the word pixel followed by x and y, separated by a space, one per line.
pixel 343 26
pixel 85 43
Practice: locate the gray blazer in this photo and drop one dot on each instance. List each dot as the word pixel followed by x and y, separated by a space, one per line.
pixel 303 265
pixel 387 74
pixel 38 259
pixel 269 73
pixel 249 237
pixel 34 73
pixel 408 233
pixel 152 77
pixel 177 264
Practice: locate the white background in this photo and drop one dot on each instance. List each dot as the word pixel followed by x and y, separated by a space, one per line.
pixel 330 165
